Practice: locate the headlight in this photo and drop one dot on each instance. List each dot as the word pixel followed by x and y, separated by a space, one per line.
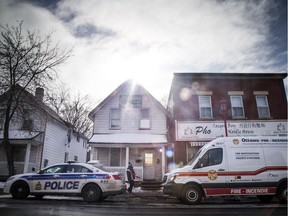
pixel 11 178
pixel 172 177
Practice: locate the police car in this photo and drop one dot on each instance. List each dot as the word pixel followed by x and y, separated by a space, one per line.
pixel 77 179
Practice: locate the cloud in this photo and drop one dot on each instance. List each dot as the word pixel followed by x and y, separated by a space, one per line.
pixel 149 40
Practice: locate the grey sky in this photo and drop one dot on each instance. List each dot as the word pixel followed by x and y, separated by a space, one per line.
pixel 149 40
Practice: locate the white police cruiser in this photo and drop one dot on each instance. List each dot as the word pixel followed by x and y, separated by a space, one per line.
pixel 77 179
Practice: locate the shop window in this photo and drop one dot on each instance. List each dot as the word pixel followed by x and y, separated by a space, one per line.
pixel 237 106
pixel 205 106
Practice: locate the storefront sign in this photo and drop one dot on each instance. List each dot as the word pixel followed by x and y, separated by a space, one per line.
pixel 196 131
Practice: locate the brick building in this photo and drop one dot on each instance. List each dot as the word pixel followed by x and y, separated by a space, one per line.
pixel 205 106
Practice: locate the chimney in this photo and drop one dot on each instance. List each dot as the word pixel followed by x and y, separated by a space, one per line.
pixel 39 94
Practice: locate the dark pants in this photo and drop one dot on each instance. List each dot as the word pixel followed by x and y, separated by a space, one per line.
pixel 131 186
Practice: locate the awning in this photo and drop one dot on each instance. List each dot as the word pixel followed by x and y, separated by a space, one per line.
pixel 135 138
pixel 20 135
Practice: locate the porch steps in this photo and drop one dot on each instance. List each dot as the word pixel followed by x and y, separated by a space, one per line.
pixel 151 185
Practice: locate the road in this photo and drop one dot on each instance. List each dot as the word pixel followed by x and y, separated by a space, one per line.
pixel 135 205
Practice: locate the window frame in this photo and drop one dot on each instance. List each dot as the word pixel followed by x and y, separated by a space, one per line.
pixel 242 106
pixel 112 119
pixel 200 107
pixel 141 117
pixel 259 107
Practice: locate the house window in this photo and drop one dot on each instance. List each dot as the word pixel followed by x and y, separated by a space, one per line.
pixel 205 106
pixel 130 101
pixel 27 120
pixel 237 106
pixel 148 158
pixel 262 106
pixel 115 118
pixel 115 156
pixel 144 119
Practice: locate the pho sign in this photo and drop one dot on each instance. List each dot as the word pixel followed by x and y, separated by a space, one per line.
pixel 193 131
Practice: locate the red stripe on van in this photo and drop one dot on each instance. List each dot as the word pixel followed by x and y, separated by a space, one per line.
pixel 239 191
pixel 236 173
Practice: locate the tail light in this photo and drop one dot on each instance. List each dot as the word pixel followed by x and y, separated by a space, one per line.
pixel 116 177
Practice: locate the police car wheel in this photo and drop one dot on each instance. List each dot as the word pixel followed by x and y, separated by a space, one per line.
pixel 91 193
pixel 20 190
pixel 191 195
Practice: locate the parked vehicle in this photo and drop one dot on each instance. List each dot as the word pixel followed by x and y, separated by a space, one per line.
pixel 78 179
pixel 233 167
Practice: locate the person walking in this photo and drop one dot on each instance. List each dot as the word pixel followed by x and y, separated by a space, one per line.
pixel 130 177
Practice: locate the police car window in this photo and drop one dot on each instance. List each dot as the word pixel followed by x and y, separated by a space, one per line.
pixel 77 169
pixel 55 169
pixel 210 158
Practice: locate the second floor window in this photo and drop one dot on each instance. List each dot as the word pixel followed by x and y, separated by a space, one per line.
pixel 115 118
pixel 237 106
pixel 262 106
pixel 205 107
pixel 144 119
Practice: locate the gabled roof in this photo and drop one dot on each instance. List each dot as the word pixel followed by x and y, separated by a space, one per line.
pixel 131 84
pixel 42 107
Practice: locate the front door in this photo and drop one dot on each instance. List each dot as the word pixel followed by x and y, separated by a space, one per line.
pixel 149 169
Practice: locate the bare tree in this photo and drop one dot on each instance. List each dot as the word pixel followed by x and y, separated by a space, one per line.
pixel 73 109
pixel 27 60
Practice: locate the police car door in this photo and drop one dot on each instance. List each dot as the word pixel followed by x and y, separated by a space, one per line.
pixel 210 170
pixel 47 180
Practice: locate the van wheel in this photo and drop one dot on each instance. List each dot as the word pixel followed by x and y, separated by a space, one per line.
pixel 20 190
pixel 265 198
pixel 91 193
pixel 191 195
pixel 282 194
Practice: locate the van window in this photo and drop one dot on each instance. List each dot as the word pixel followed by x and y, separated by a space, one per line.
pixel 210 158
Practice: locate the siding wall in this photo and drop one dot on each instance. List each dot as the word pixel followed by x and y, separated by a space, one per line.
pixel 56 144
pixel 130 116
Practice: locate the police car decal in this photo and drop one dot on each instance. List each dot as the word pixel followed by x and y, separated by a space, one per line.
pixel 67 176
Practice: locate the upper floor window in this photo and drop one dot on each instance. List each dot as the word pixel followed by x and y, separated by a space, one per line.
pixel 27 120
pixel 262 106
pixel 115 119
pixel 144 119
pixel 237 106
pixel 205 106
pixel 130 101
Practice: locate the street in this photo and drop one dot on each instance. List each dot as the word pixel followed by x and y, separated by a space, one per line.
pixel 147 203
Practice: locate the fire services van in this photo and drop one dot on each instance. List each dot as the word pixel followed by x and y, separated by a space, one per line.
pixel 233 166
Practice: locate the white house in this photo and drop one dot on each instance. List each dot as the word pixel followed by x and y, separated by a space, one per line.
pixel 40 137
pixel 130 125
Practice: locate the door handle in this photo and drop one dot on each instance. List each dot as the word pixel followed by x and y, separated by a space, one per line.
pixel 56 176
pixel 83 176
pixel 221 170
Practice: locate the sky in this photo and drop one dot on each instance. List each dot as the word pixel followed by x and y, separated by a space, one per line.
pixel 149 40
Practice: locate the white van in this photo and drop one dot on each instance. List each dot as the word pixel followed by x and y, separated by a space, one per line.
pixel 233 166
